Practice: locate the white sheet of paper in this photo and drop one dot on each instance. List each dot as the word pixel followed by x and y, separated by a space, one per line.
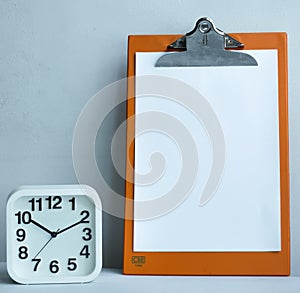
pixel 244 213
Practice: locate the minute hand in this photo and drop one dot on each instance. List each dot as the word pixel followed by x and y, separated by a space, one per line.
pixel 69 227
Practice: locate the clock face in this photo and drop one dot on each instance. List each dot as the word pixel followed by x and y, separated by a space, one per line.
pixel 53 237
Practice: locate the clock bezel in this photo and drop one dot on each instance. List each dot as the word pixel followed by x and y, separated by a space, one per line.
pixel 51 190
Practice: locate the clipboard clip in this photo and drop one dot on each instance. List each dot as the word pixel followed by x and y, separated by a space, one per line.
pixel 206 46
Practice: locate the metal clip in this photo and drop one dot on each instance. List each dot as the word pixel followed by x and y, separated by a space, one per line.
pixel 205 45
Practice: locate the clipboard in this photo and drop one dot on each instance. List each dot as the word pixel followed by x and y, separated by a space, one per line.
pixel 209 262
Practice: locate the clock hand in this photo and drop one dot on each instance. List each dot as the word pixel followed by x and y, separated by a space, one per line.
pixel 69 227
pixel 52 233
pixel 45 244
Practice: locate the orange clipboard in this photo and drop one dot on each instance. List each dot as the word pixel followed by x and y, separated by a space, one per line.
pixel 211 263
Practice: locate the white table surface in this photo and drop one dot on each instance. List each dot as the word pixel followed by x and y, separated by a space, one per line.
pixel 112 280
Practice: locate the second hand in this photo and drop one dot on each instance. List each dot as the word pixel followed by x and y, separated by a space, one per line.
pixel 44 245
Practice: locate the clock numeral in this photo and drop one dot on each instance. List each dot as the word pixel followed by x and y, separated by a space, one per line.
pixel 37 260
pixel 36 203
pixel 21 235
pixel 54 202
pixel 23 252
pixel 57 202
pixel 72 265
pixel 88 234
pixel 72 201
pixel 85 215
pixel 24 217
pixel 85 251
pixel 54 268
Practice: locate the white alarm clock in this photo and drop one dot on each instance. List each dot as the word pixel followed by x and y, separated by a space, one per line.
pixel 54 234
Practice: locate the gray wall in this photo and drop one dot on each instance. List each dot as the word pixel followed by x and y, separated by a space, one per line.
pixel 54 55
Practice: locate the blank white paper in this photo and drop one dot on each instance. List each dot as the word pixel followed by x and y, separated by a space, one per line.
pixel 244 213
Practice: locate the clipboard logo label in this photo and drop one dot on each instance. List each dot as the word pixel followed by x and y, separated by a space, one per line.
pixel 138 261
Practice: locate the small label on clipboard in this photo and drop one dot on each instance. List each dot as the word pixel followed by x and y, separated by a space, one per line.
pixel 138 261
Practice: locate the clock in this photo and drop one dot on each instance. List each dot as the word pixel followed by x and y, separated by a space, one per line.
pixel 54 234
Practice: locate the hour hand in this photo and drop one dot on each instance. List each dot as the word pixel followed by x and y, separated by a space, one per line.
pixel 52 233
